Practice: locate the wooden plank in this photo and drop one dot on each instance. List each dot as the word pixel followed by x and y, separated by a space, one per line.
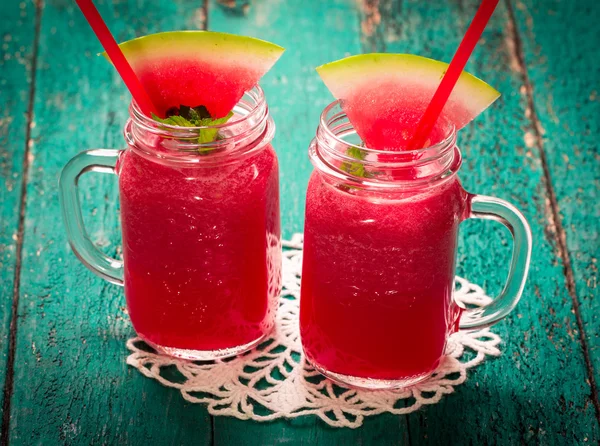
pixel 564 86
pixel 323 32
pixel 72 385
pixel 17 32
pixel 537 390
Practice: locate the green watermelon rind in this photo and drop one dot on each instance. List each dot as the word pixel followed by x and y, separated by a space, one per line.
pixel 344 76
pixel 199 44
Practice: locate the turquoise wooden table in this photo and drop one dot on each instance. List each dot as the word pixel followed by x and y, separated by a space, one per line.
pixel 63 330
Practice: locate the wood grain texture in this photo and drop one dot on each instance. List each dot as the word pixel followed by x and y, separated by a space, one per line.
pixel 537 390
pixel 17 34
pixel 72 385
pixel 563 71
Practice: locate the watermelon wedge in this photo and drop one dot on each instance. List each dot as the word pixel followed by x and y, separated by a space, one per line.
pixel 199 68
pixel 385 95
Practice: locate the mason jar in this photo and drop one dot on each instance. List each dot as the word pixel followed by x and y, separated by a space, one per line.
pixel 200 228
pixel 377 300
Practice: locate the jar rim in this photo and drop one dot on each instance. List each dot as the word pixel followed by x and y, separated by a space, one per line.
pixel 251 129
pixel 329 153
pixel 256 92
pixel 325 124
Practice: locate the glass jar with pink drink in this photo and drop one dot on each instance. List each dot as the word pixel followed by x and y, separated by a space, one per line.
pixel 381 229
pixel 201 230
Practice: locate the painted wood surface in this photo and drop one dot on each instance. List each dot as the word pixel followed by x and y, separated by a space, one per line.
pixel 17 32
pixel 564 82
pixel 71 384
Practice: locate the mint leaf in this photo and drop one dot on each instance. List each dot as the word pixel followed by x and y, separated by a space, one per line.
pixel 210 135
pixel 200 112
pixel 194 114
pixel 186 116
pixel 356 152
pixel 183 110
pixel 179 121
pixel 355 168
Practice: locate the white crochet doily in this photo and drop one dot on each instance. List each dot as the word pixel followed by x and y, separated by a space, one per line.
pixel 274 381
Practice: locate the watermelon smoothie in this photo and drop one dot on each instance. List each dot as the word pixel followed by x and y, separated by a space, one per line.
pixel 199 194
pixel 201 236
pixel 379 259
pixel 379 305
pixel 382 220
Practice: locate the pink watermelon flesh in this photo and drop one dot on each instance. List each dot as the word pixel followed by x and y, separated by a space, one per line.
pixel 385 96
pixel 197 68
pixel 217 87
pixel 385 115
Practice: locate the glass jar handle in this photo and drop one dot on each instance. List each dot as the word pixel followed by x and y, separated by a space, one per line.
pixel 490 208
pixel 103 161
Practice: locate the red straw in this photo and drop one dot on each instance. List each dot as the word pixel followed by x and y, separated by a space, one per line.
pixel 116 56
pixel 441 95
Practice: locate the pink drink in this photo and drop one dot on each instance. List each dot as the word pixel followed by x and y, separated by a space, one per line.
pixel 201 250
pixel 201 232
pixel 377 279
